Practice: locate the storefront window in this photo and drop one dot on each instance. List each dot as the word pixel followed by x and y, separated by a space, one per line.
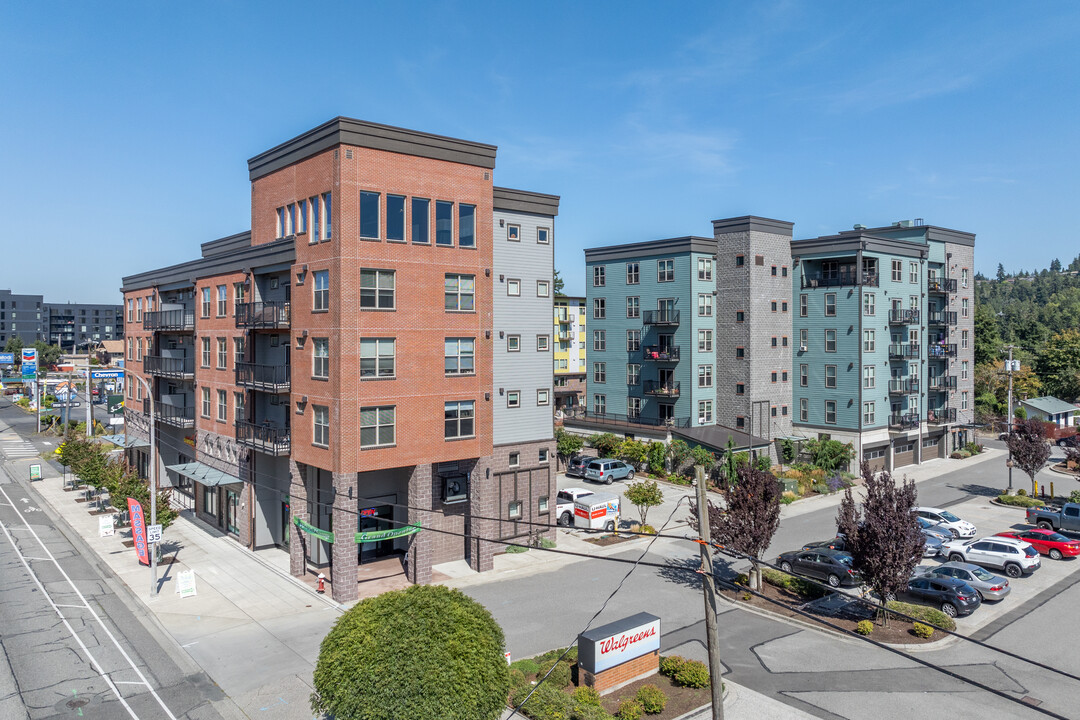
pixel 232 505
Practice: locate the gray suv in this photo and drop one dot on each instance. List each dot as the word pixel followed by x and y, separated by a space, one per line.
pixel 607 469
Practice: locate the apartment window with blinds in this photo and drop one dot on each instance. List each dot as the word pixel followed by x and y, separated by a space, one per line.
pixel 222 353
pixel 633 273
pixel 459 355
pixel 460 293
pixel 320 358
pixel 321 422
pixel 239 407
pixel 377 426
pixel 222 406
pixel 222 300
pixel 377 357
pixel 321 299
pixel 459 419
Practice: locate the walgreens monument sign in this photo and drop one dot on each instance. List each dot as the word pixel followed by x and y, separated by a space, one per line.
pixel 618 642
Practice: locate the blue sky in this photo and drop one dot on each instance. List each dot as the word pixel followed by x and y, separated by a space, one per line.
pixel 126 127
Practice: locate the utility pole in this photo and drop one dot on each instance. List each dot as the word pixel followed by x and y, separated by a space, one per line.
pixel 1009 462
pixel 716 672
pixel 89 402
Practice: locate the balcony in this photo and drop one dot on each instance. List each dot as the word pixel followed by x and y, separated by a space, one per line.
pixel 661 317
pixel 937 352
pixel 942 318
pixel 903 317
pixel 941 416
pixel 659 389
pixel 263 315
pixel 903 351
pixel 564 334
pixel 839 279
pixel 169 320
pixel 941 286
pixel 907 421
pixel 265 438
pixel 587 417
pixel 902 386
pixel 943 383
pixel 661 354
pixel 268 378
pixel 181 417
pixel 176 368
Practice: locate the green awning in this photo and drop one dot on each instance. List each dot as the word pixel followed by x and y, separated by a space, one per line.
pixel 203 474
pixel 310 529
pixel 377 535
pixel 124 441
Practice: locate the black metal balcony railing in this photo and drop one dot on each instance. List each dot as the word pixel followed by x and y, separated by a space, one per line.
pixel 181 417
pixel 179 368
pixel 903 317
pixel 906 421
pixel 941 415
pixel 942 383
pixel 661 317
pixel 839 279
pixel 269 378
pixel 941 285
pixel 903 351
pixel 904 386
pixel 169 320
pixel 941 351
pixel 661 354
pixel 590 417
pixel 669 389
pixel 264 437
pixel 942 317
pixel 270 315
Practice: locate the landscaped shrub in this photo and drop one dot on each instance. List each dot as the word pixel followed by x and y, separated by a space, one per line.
pixel 671 665
pixel 1020 501
pixel 1022 492
pixel 589 712
pixel 924 631
pixel 973 448
pixel 821 488
pixel 792 584
pixel 517 678
pixel 585 695
pixel 693 674
pixel 865 627
pixel 652 699
pixel 956 455
pixel 559 677
pixel 788 497
pixel 515 549
pixel 924 613
pixel 1074 496
pixel 547 703
pixel 527 666
pixel 630 710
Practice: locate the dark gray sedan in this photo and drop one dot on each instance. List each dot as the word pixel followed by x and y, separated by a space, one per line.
pixel 987 584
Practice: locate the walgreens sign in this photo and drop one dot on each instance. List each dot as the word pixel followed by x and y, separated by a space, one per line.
pixel 618 642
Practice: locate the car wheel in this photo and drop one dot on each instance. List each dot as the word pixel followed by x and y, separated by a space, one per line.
pixel 785 566
pixel 607 480
pixel 610 527
pixel 1046 525
pixel 1013 570
pixel 834 581
pixel 565 519
pixel 1055 553
pixel 956 557
pixel 955 533
pixel 982 598
pixel 949 609
pixel 630 475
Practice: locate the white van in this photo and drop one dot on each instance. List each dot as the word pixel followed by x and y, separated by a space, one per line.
pixel 598 511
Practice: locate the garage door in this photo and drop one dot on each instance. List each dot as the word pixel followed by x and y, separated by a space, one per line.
pixel 933 447
pixel 903 454
pixel 876 457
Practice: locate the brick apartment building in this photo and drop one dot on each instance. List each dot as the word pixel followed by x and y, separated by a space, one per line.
pixel 374 353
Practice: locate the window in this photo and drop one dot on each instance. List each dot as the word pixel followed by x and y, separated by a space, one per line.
pixel 740 353
pixel 210 500
pixel 513 343
pixel 830 341
pixel 514 459
pixel 913 272
pixel 783 375
pixel 868 413
pixel 460 292
pixel 327 219
pixel 599 308
pixel 459 356
pixel 783 306
pixel 513 398
pixel 599 404
pixel 600 372
pixel 704 412
pixel 513 287
pixel 543 343
pixel 138 311
pixel 633 340
pixel 377 357
pixel 830 412
pixel 803 305
pixel 869 379
pixel 369 215
pixel 830 376
pixel 321 300
pixel 704 305
pixel 740 261
pixel 514 510
pixel 783 273
pixel 740 388
pixel 543 236
pixel 830 304
pixel 868 304
pixel 633 374
pixel 803 341
pixel 774 341
pixel 665 271
pixel 321 426
pixel 222 353
pixel 302 216
pixel 704 269
pixel 633 307
pixel 964 370
pixel 466 226
pixel 542 396
pixel 420 222
pixel 222 406
pixel 205 351
pixel 238 407
pixel 633 407
pixel 772 376
pixel 320 358
pixel 444 223
pixel 804 375
pixel 130 305
pixel 803 409
pixel 740 316
pixel 773 305
pixel 759 260
pixel 238 350
pixel 543 288
pixel 130 353
pixel 513 233
pixel 598 276
pixel 964 400
pixel 964 339
pixel 205 401
pixel 704 340
pixel 543 458
pixel 868 341
pixel 704 376
pixel 377 426
pixel 773 272
pixel 459 419
pixel 239 295
pixel 139 349
pixel 316 220
pixel 784 341
pixel 599 340
pixel 964 308
pixel 633 273
pixel 963 277
pixel 772 411
pixel 897 271
pixel 205 310
pixel 740 422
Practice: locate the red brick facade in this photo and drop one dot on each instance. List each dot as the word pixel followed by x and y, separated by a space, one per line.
pixel 622 675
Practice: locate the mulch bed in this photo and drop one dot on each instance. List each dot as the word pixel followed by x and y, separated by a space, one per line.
pixel 680 700
pixel 605 540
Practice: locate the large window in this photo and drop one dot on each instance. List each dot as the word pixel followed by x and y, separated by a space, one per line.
pixel 320 358
pixel 444 223
pixel 369 215
pixel 665 271
pixel 599 308
pixel 600 372
pixel 321 430
pixel 633 374
pixel 830 412
pixel 459 419
pixel 704 340
pixel 633 273
pixel 704 269
pixel 222 353
pixel 460 292
pixel 633 307
pixel 377 426
pixel 466 226
pixel 830 341
pixel 598 276
pixel 377 357
pixel 633 340
pixel 377 289
pixel 704 305
pixel 421 221
pixel 459 356
pixel 222 406
pixel 321 298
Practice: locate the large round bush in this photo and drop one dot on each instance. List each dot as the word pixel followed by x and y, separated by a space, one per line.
pixel 417 654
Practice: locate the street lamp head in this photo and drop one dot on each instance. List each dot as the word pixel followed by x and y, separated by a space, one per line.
pixel 1009 463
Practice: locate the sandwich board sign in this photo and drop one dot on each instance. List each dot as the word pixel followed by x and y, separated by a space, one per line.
pixel 185 584
pixel 35 472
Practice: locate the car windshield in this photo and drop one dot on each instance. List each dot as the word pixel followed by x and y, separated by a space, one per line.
pixel 843 559
pixel 981 574
pixel 949 517
pixel 1053 537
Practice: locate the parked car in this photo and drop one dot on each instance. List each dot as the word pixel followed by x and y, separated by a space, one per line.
pixel 930 528
pixel 833 566
pixel 606 469
pixel 987 584
pixel 1047 542
pixel 576 466
pixel 959 528
pixel 564 504
pixel 836 543
pixel 1015 557
pixel 1067 517
pixel 932 546
pixel 954 597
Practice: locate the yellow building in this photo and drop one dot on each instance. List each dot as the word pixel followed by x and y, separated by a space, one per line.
pixel 569 356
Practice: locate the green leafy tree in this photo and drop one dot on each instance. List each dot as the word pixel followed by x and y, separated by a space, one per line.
pixel 829 455
pixel 1001 272
pixel 605 444
pixel 1059 365
pixel 643 495
pixel 657 453
pixel 633 451
pixel 678 453
pixel 415 654
pixel 1029 448
pixel 987 346
pixel 567 444
pixel 704 457
pixel 15 345
pixel 48 355
pixel 1055 266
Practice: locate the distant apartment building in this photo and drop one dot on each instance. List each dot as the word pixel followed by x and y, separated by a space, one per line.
pixel 20 316
pixel 77 327
pixel 570 357
pixel 373 356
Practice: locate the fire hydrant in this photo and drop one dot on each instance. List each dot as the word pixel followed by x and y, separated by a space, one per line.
pixel 321 588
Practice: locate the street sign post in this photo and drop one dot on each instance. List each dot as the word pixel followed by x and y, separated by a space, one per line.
pixel 153 534
pixel 29 363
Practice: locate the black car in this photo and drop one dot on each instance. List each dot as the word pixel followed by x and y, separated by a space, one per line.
pixel 953 596
pixel 832 566
pixel 577 464
pixel 836 543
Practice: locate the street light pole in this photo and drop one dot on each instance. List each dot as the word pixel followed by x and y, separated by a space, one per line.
pixel 1008 437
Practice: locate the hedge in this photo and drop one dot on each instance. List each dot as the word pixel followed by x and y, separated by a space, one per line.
pixel 1020 501
pixel 793 584
pixel 923 613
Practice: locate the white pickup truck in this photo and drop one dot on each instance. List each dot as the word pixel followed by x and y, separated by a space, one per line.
pixel 564 504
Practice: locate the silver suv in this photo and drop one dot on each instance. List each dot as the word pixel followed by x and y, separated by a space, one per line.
pixel 1013 556
pixel 607 469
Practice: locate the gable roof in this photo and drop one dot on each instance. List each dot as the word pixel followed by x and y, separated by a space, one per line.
pixel 1050 405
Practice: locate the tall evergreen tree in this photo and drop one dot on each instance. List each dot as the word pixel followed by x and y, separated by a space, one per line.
pixel 1001 272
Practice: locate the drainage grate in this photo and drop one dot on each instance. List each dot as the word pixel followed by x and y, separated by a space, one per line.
pixel 77 703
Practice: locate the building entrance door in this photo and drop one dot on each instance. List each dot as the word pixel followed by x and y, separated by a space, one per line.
pixel 375 518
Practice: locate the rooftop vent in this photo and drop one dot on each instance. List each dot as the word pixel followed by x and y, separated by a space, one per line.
pixel 902 223
pixel 858 226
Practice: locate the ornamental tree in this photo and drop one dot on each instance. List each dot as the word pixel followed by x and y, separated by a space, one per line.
pixel 567 444
pixel 424 652
pixel 1029 447
pixel 643 495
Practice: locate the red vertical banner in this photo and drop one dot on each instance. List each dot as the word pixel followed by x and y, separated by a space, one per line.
pixel 138 530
